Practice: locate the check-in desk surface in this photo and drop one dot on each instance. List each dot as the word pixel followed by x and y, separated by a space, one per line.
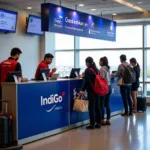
pixel 41 109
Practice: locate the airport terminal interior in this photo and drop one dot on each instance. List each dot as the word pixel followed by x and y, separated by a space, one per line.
pixel 116 27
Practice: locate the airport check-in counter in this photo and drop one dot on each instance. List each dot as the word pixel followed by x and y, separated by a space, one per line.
pixel 42 109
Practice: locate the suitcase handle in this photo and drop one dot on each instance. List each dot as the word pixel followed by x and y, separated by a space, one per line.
pixel 6 104
pixel 142 94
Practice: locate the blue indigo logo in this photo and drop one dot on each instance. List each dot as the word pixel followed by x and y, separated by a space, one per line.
pixel 58 22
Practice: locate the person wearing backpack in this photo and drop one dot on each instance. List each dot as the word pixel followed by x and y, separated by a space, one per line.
pixel 136 84
pixel 126 75
pixel 94 103
pixel 105 100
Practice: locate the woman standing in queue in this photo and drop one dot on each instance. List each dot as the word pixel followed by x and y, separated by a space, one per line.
pixel 105 100
pixel 136 84
pixel 94 103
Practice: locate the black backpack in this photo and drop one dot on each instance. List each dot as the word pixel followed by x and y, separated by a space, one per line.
pixel 129 75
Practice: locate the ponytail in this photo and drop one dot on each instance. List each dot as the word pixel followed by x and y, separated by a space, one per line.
pixel 94 67
pixel 133 60
pixel 138 66
pixel 92 64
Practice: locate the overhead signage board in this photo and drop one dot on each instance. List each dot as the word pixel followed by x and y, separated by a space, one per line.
pixel 67 21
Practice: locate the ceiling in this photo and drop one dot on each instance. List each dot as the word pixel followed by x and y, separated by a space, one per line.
pixel 106 7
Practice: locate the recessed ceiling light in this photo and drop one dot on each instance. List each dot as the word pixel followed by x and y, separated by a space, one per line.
pixel 126 3
pixel 93 9
pixel 114 14
pixel 29 7
pixel 139 2
pixel 81 5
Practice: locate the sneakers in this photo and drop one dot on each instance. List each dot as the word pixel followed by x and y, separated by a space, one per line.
pixel 124 114
pixel 108 122
pixel 127 114
pixel 90 127
pixel 97 126
pixel 103 123
pixel 131 114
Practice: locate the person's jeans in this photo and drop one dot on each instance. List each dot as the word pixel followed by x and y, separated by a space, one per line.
pixel 126 96
pixel 104 103
pixel 94 109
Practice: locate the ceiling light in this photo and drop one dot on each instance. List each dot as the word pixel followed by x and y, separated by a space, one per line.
pixel 123 2
pixel 81 5
pixel 114 14
pixel 139 2
pixel 29 7
pixel 93 9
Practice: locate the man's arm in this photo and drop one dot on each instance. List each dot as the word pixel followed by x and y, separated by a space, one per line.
pixel 18 68
pixel 52 72
pixel 118 74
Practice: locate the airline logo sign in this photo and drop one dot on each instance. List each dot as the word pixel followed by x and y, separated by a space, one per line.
pixel 53 102
pixel 63 20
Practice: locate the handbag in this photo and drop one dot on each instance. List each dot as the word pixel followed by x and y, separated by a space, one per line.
pixel 80 105
pixel 120 82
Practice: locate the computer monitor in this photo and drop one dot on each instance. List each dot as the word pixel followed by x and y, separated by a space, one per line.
pixel 13 76
pixel 75 72
pixel 43 74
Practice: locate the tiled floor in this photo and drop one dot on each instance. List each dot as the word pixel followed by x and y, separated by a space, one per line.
pixel 131 133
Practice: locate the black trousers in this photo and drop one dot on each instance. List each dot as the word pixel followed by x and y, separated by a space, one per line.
pixel 105 103
pixel 94 109
pixel 126 96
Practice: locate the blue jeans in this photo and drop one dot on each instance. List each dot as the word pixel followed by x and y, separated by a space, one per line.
pixel 126 96
pixel 104 103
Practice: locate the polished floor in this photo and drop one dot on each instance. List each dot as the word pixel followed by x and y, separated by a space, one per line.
pixel 130 133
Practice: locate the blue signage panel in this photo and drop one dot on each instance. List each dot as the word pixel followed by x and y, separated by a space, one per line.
pixel 76 117
pixel 42 107
pixel 67 21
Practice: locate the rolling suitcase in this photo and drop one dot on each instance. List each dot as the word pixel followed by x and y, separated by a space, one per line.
pixel 5 129
pixel 141 103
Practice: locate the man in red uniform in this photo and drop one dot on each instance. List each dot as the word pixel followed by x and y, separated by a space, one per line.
pixel 45 64
pixel 9 65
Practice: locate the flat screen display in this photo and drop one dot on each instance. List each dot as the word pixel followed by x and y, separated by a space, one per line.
pixel 34 25
pixel 8 20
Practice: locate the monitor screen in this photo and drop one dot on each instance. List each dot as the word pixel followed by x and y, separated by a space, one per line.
pixel 75 72
pixel 34 25
pixel 40 76
pixel 8 20
pixel 10 76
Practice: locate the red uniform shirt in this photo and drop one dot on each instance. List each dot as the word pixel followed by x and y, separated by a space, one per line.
pixel 42 65
pixel 9 65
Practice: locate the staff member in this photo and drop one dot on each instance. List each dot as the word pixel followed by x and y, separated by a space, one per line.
pixel 48 58
pixel 9 65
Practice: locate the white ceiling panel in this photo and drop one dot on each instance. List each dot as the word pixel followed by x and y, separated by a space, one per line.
pixel 107 7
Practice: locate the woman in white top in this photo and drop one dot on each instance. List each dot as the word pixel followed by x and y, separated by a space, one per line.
pixel 105 100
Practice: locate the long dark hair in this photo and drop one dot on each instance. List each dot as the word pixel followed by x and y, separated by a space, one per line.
pixel 92 64
pixel 133 60
pixel 105 62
